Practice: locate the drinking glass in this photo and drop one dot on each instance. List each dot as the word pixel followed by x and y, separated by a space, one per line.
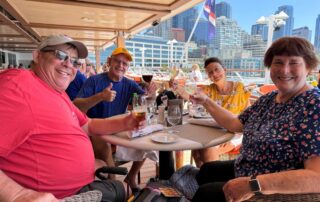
pixel 140 107
pixel 147 77
pixel 174 117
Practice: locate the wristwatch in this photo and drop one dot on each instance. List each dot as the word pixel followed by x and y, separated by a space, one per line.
pixel 255 185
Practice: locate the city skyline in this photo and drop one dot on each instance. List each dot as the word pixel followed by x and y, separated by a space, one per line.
pixel 305 12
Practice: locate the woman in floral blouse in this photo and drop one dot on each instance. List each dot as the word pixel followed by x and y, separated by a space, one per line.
pixel 281 144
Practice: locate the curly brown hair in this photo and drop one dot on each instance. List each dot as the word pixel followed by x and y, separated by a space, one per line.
pixel 292 46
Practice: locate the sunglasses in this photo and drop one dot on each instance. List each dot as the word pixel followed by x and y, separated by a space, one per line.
pixel 60 55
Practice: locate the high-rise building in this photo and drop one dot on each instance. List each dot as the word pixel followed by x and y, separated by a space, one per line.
pixel 303 32
pixel 317 34
pixel 285 30
pixel 228 35
pixel 177 34
pixel 260 29
pixel 255 44
pixel 161 30
pixel 201 33
pixel 223 9
pixel 185 20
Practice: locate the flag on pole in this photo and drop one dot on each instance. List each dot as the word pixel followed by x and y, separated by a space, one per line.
pixel 209 12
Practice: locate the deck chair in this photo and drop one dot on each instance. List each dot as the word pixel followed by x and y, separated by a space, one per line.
pixel 262 90
pixel 90 196
pixel 96 195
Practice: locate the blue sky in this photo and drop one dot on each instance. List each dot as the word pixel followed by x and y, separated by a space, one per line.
pixel 246 12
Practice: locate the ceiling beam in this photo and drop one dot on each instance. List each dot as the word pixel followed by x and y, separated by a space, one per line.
pixel 73 27
pixel 13 12
pixel 12 35
pixel 17 28
pixel 13 42
pixel 135 4
pixel 104 5
pixel 20 47
pixel 84 39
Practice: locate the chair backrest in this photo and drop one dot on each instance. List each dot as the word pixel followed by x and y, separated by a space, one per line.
pixel 267 88
pixel 90 196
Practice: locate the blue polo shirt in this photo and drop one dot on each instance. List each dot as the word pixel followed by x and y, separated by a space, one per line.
pixel 75 85
pixel 124 88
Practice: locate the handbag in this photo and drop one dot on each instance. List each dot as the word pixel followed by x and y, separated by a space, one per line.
pixel 185 181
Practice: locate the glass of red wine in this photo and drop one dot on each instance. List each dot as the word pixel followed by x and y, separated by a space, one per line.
pixel 147 77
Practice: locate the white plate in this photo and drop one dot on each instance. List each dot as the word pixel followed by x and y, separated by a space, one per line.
pixel 164 139
pixel 202 116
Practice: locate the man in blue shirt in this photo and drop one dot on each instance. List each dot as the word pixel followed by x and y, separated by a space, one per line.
pixel 108 94
pixel 75 86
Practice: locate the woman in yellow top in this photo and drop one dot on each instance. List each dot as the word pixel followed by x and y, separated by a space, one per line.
pixel 232 96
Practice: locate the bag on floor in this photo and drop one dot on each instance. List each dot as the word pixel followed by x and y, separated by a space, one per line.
pixel 185 181
pixel 153 194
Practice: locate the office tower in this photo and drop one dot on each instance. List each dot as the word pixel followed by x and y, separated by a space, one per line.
pixel 223 9
pixel 177 34
pixel 285 30
pixel 185 20
pixel 303 32
pixel 317 34
pixel 260 29
pixel 161 30
pixel 201 33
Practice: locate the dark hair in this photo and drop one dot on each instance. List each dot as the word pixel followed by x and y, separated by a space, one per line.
pixel 211 60
pixel 292 46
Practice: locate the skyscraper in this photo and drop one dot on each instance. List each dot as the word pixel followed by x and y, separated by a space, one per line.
pixel 260 29
pixel 223 9
pixel 285 30
pixel 317 34
pixel 303 32
pixel 201 36
pixel 185 20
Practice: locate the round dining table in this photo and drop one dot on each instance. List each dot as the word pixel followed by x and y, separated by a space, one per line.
pixel 187 137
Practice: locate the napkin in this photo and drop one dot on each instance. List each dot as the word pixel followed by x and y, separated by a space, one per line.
pixel 204 122
pixel 145 131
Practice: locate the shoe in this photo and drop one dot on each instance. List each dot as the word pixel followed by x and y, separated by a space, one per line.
pixel 134 190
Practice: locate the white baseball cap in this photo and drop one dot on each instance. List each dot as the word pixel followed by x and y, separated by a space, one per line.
pixel 54 40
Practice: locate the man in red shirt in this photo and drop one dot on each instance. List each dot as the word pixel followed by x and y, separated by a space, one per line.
pixel 45 151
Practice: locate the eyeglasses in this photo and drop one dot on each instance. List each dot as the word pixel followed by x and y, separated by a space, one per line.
pixel 125 64
pixel 60 55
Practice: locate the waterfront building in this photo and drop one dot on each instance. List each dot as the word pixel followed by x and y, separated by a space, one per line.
pixel 228 35
pixel 150 52
pixel 244 67
pixel 255 44
pixel 303 32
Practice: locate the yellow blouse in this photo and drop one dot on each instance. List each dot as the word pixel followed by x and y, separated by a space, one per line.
pixel 235 102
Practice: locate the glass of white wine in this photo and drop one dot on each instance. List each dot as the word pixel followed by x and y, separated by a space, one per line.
pixel 140 107
pixel 174 117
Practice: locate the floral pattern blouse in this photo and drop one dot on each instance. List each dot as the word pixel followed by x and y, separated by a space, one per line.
pixel 279 136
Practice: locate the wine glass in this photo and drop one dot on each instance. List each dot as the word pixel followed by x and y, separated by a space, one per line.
pixel 174 117
pixel 147 77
